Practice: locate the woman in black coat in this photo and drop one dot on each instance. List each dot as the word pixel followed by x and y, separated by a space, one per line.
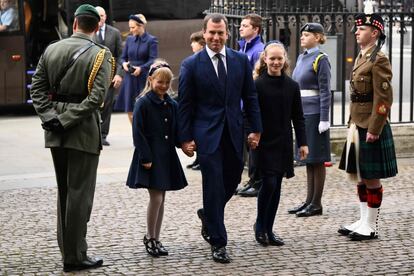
pixel 280 105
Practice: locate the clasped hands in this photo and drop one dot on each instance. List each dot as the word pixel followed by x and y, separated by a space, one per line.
pixel 53 125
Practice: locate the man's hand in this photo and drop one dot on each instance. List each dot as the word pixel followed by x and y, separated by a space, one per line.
pixel 53 125
pixel 188 148
pixel 147 165
pixel 253 140
pixel 117 81
pixel 371 138
pixel 303 152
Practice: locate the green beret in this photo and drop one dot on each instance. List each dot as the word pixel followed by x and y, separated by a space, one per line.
pixel 87 9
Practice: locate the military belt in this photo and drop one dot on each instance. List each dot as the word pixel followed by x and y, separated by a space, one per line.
pixel 362 98
pixel 67 98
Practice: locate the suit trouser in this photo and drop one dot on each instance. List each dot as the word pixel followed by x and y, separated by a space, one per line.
pixel 107 111
pixel 76 179
pixel 221 172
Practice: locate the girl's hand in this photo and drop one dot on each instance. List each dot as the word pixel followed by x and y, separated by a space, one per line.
pixel 147 165
pixel 303 151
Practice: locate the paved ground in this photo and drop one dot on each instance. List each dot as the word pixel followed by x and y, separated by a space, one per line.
pixel 28 220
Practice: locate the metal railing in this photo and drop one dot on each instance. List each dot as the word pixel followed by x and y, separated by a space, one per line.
pixel 284 18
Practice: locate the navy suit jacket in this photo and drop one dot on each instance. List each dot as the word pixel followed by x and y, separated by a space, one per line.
pixel 204 107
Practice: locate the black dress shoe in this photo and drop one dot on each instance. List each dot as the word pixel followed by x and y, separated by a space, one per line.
pixel 204 231
pixel 220 255
pixel 105 142
pixel 162 251
pixel 297 208
pixel 354 236
pixel 309 211
pixel 275 240
pixel 344 231
pixel 89 263
pixel 151 246
pixel 261 237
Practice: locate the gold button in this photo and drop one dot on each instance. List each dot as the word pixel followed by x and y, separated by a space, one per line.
pixel 166 137
pixel 165 120
pixel 165 103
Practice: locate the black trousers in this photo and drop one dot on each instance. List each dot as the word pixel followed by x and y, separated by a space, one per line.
pixel 76 179
pixel 107 111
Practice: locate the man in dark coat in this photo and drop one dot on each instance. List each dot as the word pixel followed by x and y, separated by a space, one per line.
pixel 212 84
pixel 111 38
pixel 68 88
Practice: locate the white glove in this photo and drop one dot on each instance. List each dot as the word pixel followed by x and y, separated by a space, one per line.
pixel 323 126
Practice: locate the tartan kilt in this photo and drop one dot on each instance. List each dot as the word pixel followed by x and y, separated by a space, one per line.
pixel 376 160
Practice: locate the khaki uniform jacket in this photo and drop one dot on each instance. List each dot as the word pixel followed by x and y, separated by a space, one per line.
pixel 371 78
pixel 81 121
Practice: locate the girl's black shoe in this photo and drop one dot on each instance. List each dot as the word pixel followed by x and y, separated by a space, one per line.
pixel 275 240
pixel 162 251
pixel 151 246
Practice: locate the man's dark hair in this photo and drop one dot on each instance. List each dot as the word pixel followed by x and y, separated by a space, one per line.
pixel 87 23
pixel 215 18
pixel 198 37
pixel 255 21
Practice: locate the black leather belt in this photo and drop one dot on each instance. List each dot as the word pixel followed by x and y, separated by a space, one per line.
pixel 362 98
pixel 66 98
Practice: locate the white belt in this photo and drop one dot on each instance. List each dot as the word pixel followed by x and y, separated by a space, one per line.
pixel 309 93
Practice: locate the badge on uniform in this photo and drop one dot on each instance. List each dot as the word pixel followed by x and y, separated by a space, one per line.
pixel 385 85
pixel 382 109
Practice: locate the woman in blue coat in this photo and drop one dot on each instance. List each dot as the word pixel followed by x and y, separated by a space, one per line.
pixel 140 51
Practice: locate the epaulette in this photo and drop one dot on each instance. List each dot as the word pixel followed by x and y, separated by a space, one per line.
pixel 96 65
pixel 316 61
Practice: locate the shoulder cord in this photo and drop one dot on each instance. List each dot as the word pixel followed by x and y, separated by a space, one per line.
pixel 316 62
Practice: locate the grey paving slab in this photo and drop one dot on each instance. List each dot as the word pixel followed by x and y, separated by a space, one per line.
pixel 28 220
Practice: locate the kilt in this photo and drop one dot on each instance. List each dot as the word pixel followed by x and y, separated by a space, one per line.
pixel 376 160
pixel 318 143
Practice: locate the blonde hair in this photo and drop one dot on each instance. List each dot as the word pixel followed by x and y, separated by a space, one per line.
pixel 141 17
pixel 321 38
pixel 164 73
pixel 260 67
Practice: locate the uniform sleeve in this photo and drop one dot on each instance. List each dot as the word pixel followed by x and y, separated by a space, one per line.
pixel 324 81
pixel 138 130
pixel 186 104
pixel 75 113
pixel 381 80
pixel 39 93
pixel 298 120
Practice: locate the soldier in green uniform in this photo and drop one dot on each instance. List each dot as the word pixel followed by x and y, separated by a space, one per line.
pixel 68 88
pixel 369 153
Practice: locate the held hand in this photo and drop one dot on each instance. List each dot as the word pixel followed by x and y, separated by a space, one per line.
pixel 117 81
pixel 323 126
pixel 147 165
pixel 253 140
pixel 371 138
pixel 125 66
pixel 137 71
pixel 188 148
pixel 303 152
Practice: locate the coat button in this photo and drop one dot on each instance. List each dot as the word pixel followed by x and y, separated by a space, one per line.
pixel 166 137
pixel 166 120
pixel 165 103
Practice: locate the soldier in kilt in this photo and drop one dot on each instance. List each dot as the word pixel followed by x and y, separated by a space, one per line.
pixel 369 153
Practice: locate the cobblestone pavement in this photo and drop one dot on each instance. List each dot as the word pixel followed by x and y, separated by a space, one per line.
pixel 28 221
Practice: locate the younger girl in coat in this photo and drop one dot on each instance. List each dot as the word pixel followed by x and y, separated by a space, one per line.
pixel 280 106
pixel 155 164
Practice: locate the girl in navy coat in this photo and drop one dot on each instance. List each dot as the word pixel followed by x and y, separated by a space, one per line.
pixel 280 106
pixel 155 164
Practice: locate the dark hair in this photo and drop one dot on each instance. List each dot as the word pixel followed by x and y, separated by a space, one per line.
pixel 87 23
pixel 255 21
pixel 215 18
pixel 198 37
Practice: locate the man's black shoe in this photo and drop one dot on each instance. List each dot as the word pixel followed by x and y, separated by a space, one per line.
pixel 298 208
pixel 309 211
pixel 275 240
pixel 105 142
pixel 251 192
pixel 261 237
pixel 220 255
pixel 86 264
pixel 204 231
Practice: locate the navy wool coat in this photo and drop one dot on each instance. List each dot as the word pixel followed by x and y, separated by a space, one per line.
pixel 154 130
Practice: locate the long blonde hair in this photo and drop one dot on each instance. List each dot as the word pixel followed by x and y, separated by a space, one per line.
pixel 163 72
pixel 260 67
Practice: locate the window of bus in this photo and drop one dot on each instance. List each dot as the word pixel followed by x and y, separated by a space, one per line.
pixel 9 16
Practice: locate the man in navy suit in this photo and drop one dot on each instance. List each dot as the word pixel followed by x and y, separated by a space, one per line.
pixel 212 84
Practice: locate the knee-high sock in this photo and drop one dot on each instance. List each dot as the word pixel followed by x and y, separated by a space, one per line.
pixel 310 185
pixel 374 197
pixel 264 198
pixel 362 192
pixel 274 203
pixel 155 202
pixel 319 171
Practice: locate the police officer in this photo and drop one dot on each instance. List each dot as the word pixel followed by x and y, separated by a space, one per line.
pixel 369 153
pixel 68 88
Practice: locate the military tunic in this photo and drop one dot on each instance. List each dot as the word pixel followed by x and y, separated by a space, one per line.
pixel 75 150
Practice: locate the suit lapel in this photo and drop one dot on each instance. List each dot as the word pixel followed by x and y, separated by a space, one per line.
pixel 210 72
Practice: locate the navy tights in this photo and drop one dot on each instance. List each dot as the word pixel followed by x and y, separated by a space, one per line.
pixel 267 203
